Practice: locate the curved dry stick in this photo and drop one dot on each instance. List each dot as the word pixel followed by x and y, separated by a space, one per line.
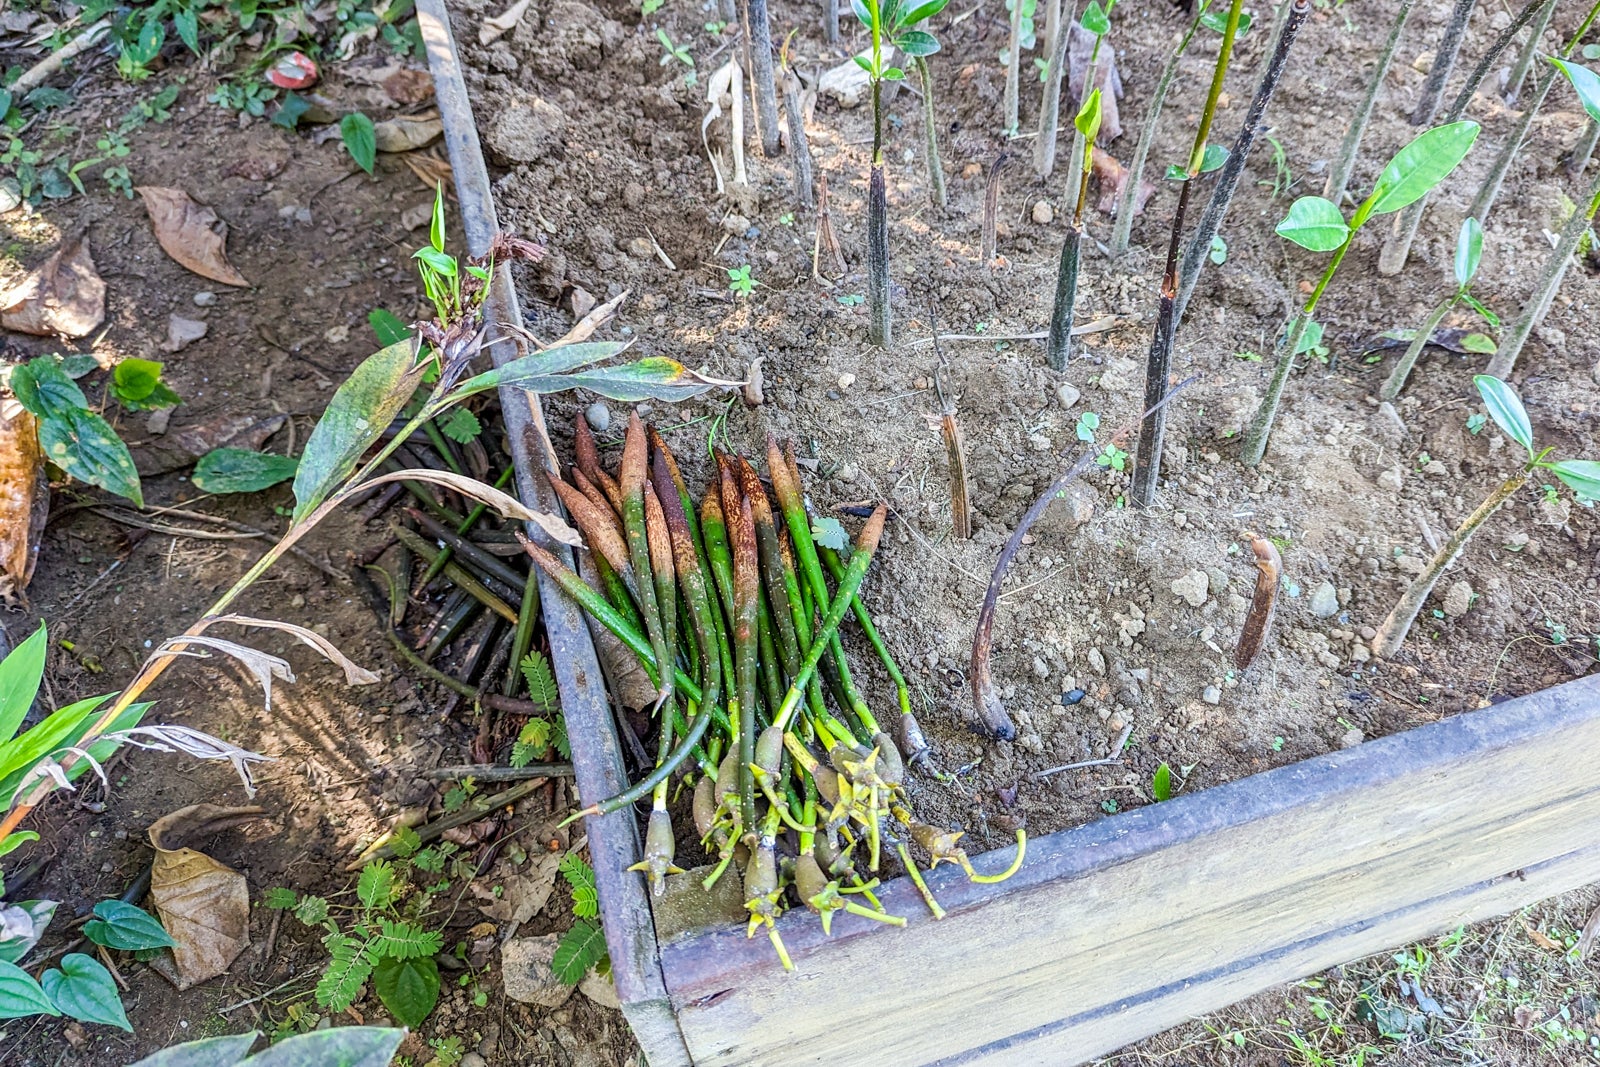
pixel 990 713
pixel 1269 570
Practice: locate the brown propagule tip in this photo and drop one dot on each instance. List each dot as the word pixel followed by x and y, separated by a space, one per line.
pixel 584 449
pixel 658 534
pixel 1269 570
pixel 630 476
pixel 582 483
pixel 598 526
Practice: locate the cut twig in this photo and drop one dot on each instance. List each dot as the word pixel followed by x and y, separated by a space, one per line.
pixel 485 772
pixel 1113 760
pixel 991 212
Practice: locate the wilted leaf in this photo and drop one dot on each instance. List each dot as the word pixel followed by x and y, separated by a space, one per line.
pixel 24 497
pixel 406 133
pixel 264 666
pixel 409 87
pixel 239 470
pixel 1452 338
pixel 190 233
pixel 23 924
pixel 182 447
pixel 509 507
pixel 523 895
pixel 354 674
pixel 204 905
pixel 492 29
pixel 63 297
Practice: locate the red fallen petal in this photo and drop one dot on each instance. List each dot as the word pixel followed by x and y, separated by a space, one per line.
pixel 293 71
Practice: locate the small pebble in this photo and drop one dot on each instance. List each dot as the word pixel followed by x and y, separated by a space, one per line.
pixel 1194 587
pixel 598 416
pixel 846 380
pixel 1039 668
pixel 1043 214
pixel 1039 442
pixel 1212 695
pixel 1072 696
pixel 205 298
pixel 1067 394
pixel 1324 601
pixel 1351 738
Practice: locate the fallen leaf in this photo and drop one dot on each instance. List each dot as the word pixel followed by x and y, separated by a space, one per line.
pixel 406 133
pixel 64 296
pixel 256 168
pixel 203 904
pixel 493 29
pixel 432 172
pixel 182 332
pixel 354 673
pixel 1113 178
pixel 24 497
pixel 1080 47
pixel 187 444
pixel 409 87
pixel 1543 940
pixel 190 233
pixel 522 896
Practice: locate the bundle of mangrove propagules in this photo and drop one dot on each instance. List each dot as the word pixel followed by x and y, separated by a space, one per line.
pixel 733 609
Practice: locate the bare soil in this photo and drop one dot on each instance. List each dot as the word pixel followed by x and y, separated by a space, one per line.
pixel 1351 493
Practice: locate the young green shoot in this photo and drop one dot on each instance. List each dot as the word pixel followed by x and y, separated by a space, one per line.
pixel 1058 345
pixel 1318 225
pixel 1469 251
pixel 740 283
pixel 1505 408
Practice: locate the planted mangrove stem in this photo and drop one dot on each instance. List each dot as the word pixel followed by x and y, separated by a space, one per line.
pixel 1013 69
pixel 1344 163
pixel 1122 233
pixel 1402 370
pixel 1584 150
pixel 1044 144
pixel 1525 58
pixel 1198 252
pixel 799 147
pixel 1444 61
pixel 930 136
pixel 761 73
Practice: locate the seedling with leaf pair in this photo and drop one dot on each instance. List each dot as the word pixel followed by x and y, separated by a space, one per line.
pixel 1469 252
pixel 872 13
pixel 1505 408
pixel 1318 225
pixel 1096 20
pixel 902 22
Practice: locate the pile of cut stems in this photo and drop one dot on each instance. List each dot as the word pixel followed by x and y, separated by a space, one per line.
pixel 733 610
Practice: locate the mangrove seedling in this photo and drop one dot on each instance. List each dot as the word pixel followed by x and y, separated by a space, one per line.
pixel 1096 20
pixel 1020 18
pixel 799 147
pixel 1525 58
pixel 1318 225
pixel 1129 201
pixel 1444 61
pixel 880 330
pixel 1469 251
pixel 1147 469
pixel 1587 85
pixel 1580 475
pixel 1058 345
pixel 1345 162
pixel 759 35
pixel 900 23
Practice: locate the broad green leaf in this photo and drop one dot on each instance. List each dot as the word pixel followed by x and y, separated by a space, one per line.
pixel 1310 338
pixel 1469 250
pixel 1582 475
pixel 5 102
pixel 923 12
pixel 78 364
pixel 1088 119
pixel 360 139
pixel 388 327
pixel 83 989
pixel 1585 82
pixel 20 995
pixel 1480 343
pixel 1161 784
pixel 122 926
pixel 39 913
pixel 239 470
pixel 557 360
pixel 86 447
pixel 29 747
pixel 361 409
pixel 1095 20
pixel 342 1046
pixel 43 388
pixel 187 23
pixel 14 840
pixel 291 110
pixel 442 262
pixel 1217 21
pixel 1421 165
pixel 1314 224
pixel 863 62
pixel 917 43
pixel 436 220
pixel 655 378
pixel 1213 158
pixel 208 1052
pixel 893 74
pixel 408 988
pixel 864 13
pixel 20 675
pixel 1505 408
pixel 135 379
pixel 581 948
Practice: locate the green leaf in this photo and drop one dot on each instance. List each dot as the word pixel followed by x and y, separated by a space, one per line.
pixel 291 110
pixel 1469 250
pixel 51 734
pixel 239 470
pixel 542 689
pixel 1213 158
pixel 441 262
pixel 311 911
pixel 348 968
pixel 461 426
pixel 376 887
pixel 20 995
pixel 132 380
pixel 1421 165
pixel 436 220
pixel 1176 173
pixel 5 102
pixel 923 12
pixel 39 912
pixel 405 941
pixel 279 898
pixel 1095 20
pixel 361 409
pixel 187 23
pixel 653 378
pixel 1161 784
pixel 388 327
pixel 1310 338
pixel 207 1052
pixel 1314 224
pixel 580 876
pixel 581 948
pixel 409 988
pixel 1585 82
pixel 126 928
pixel 341 1046
pixel 405 842
pixel 77 365
pixel 829 532
pixel 863 62
pixel 43 388
pixel 1088 118
pixel 1505 408
pixel 918 43
pixel 87 448
pixel 893 74
pixel 531 742
pixel 20 675
pixel 360 139
pixel 1581 475
pixel 537 365
pixel 83 989
pixel 1480 343
pixel 1217 21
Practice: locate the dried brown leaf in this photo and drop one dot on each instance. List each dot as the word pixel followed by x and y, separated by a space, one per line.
pixel 522 895
pixel 203 904
pixel 1113 178
pixel 190 233
pixel 63 297
pixel 409 87
pixel 406 133
pixel 24 497
pixel 493 29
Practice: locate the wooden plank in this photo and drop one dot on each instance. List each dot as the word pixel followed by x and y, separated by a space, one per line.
pixel 614 842
pixel 1129 925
